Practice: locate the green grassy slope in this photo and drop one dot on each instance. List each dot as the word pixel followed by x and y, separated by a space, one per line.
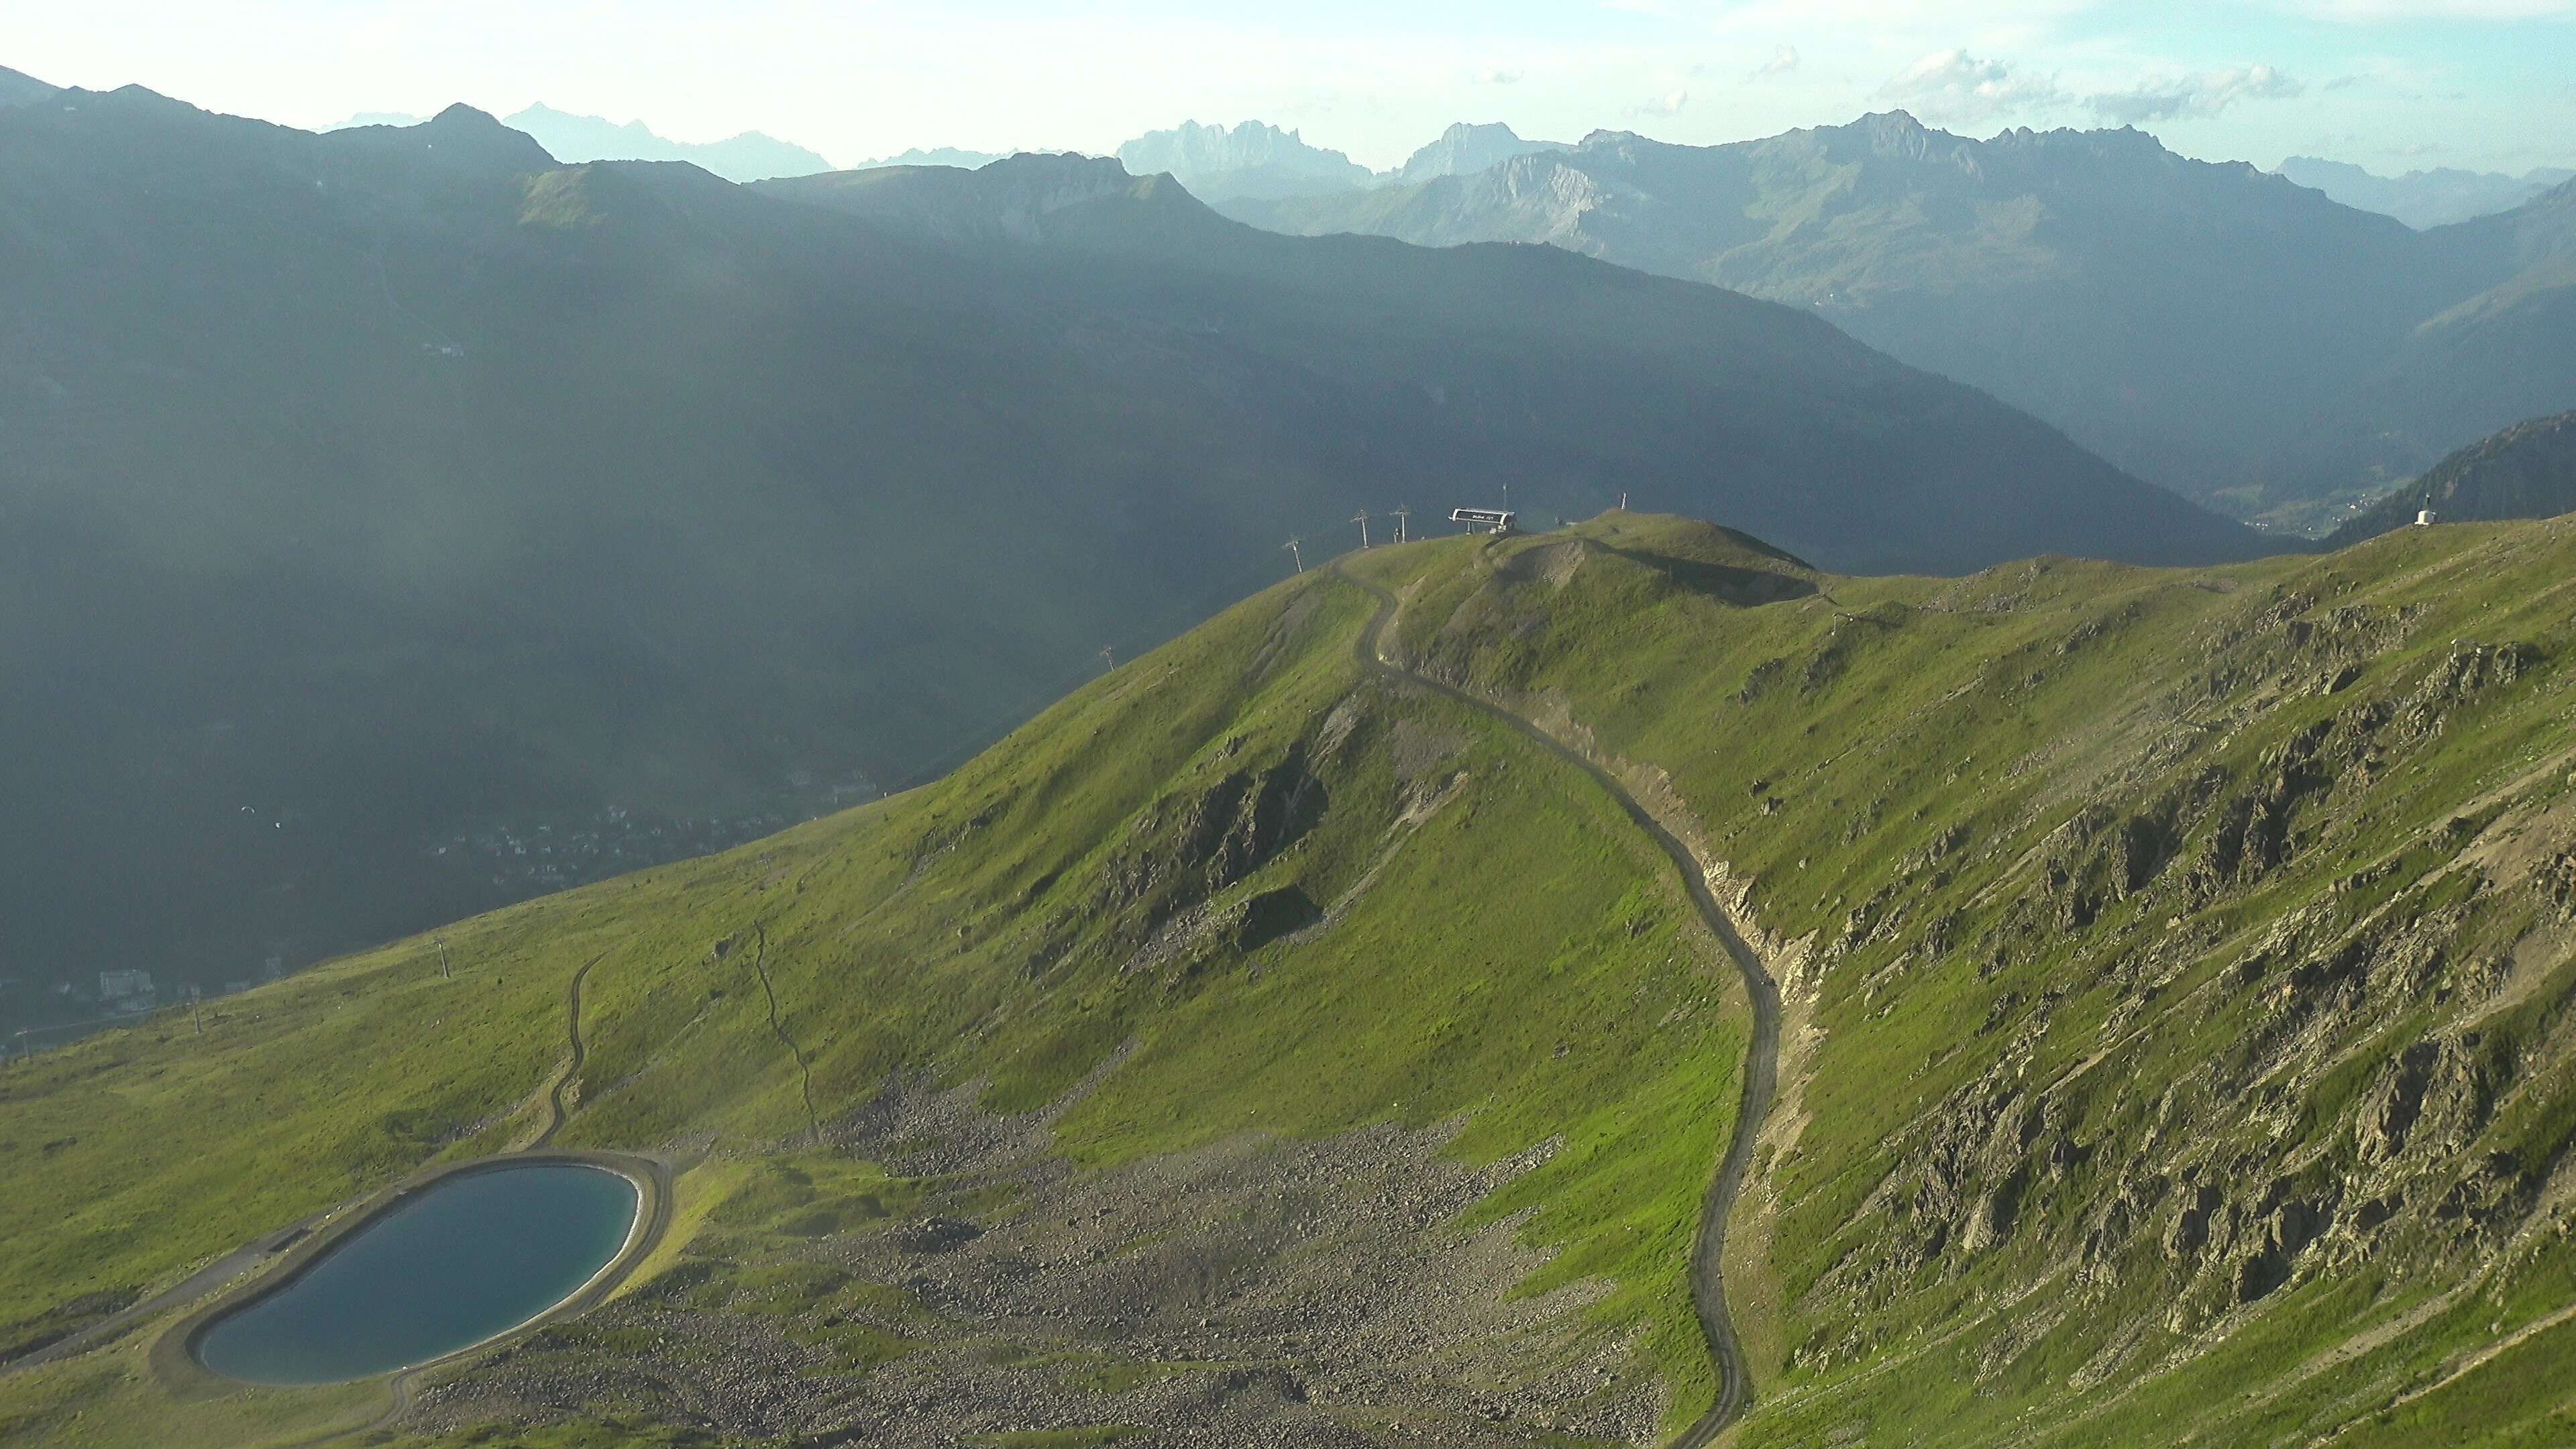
pixel 2176 965
pixel 989 927
pixel 2188 976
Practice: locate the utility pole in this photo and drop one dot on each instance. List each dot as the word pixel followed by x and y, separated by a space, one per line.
pixel 443 973
pixel 1623 500
pixel 1291 546
pixel 195 995
pixel 1112 658
pixel 1362 518
pixel 1402 512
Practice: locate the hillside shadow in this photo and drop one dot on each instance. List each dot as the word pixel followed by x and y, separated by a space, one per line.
pixel 1743 587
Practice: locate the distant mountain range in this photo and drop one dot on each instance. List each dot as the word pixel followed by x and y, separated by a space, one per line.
pixel 2239 338
pixel 2526 471
pixel 1254 160
pixel 397 521
pixel 2423 199
pixel 1216 163
pixel 750 156
pixel 936 156
pixel 1250 161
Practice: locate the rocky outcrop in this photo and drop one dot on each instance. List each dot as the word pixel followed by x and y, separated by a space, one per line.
pixel 1193 845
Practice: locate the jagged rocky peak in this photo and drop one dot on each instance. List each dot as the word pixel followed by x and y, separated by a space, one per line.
pixel 1465 149
pixel 1249 143
pixel 1251 159
pixel 1899 136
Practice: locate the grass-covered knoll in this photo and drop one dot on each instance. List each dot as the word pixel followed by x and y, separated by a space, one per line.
pixel 2188 962
pixel 1291 900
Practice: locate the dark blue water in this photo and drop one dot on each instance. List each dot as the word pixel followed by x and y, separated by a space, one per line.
pixel 468 1258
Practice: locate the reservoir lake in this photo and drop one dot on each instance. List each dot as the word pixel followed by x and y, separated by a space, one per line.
pixel 458 1262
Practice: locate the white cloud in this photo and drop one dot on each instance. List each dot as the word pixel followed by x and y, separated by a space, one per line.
pixel 1662 107
pixel 2196 97
pixel 1952 85
pixel 1782 61
pixel 1498 77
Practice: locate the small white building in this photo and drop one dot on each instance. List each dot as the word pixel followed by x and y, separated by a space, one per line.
pixel 117 985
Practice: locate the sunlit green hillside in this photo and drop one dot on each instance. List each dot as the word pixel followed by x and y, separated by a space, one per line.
pixel 2174 977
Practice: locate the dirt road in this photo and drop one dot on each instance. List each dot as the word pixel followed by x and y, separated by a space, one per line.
pixel 1762 1065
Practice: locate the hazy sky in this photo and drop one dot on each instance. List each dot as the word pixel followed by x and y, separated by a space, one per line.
pixel 2392 84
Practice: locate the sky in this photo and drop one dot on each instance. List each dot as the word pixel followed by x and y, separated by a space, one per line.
pixel 2393 85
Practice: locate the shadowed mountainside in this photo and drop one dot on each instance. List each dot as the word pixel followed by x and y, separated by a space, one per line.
pixel 2526 471
pixel 2208 326
pixel 399 522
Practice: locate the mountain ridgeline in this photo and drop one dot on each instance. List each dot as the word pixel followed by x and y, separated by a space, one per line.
pixel 2213 328
pixel 749 156
pixel 398 522
pixel 20 89
pixel 2152 990
pixel 566 137
pixel 2526 471
pixel 2424 199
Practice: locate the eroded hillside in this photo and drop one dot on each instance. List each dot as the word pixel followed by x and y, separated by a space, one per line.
pixel 2173 967
pixel 2178 1040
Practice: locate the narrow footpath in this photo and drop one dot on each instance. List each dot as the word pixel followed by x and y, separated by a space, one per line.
pixel 232 1265
pixel 555 1111
pixel 1762 1064
pixel 223 1271
pixel 399 1389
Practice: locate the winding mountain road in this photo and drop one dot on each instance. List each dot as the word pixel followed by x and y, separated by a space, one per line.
pixel 1762 1064
pixel 555 1111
